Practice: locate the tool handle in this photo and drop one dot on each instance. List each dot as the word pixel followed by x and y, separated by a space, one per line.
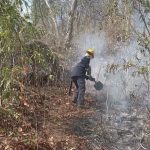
pixel 69 93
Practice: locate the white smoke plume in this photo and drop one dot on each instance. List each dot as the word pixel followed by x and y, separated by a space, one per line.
pixel 120 85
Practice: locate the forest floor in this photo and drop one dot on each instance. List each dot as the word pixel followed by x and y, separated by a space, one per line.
pixel 48 120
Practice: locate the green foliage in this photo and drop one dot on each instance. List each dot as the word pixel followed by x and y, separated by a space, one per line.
pixel 6 82
pixel 144 69
pixel 40 55
pixel 128 65
pixel 111 68
pixel 19 48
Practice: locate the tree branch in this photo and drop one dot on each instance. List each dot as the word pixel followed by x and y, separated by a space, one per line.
pixel 53 19
pixel 143 18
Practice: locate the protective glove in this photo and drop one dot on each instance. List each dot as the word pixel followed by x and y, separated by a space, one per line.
pixel 91 78
pixel 87 77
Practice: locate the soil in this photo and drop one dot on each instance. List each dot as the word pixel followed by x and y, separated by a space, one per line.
pixel 45 119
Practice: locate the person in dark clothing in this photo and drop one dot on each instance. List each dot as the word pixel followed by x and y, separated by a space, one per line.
pixel 79 73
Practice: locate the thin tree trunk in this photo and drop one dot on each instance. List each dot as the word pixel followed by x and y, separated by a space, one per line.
pixel 70 25
pixel 54 23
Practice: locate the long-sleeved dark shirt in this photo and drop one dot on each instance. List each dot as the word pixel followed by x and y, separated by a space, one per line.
pixel 80 69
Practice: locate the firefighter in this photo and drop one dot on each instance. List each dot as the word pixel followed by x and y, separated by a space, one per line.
pixel 80 72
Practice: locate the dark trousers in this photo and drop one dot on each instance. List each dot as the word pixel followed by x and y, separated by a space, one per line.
pixel 80 90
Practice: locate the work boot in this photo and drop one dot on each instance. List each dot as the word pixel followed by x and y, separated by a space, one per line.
pixel 74 100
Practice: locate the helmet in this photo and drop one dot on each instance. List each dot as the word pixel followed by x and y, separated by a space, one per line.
pixel 90 51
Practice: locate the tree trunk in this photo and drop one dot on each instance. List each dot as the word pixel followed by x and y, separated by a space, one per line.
pixel 70 24
pixel 53 20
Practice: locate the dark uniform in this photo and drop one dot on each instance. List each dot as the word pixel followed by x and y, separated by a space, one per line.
pixel 78 76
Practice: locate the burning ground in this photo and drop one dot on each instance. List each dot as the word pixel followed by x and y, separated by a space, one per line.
pixel 51 121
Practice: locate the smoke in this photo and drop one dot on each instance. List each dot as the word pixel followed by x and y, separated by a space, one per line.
pixel 125 91
pixel 121 84
pixel 98 43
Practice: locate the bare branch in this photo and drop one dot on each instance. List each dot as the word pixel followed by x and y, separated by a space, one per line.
pixel 53 19
pixel 143 18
